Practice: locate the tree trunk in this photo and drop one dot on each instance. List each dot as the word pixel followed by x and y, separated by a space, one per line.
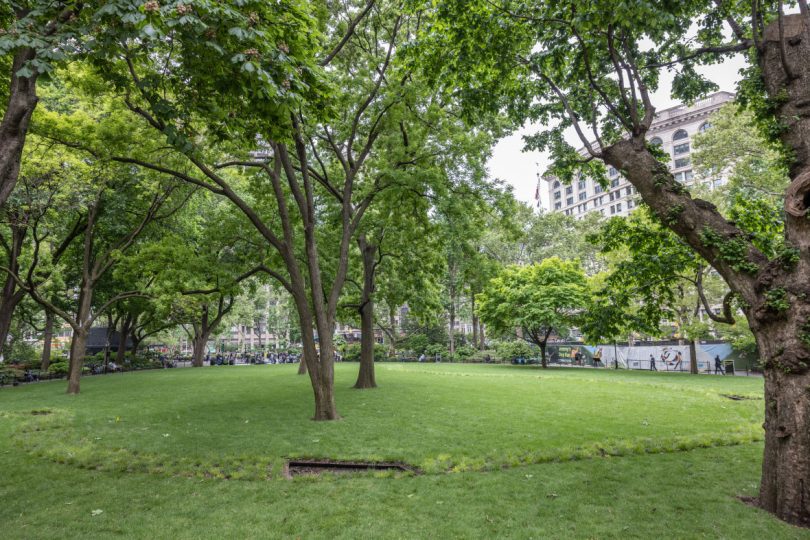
pixel 782 329
pixel 616 355
pixel 111 324
pixel 452 322
pixel 325 408
pixel 198 348
pixel 10 296
pixel 482 345
pixel 14 127
pixel 320 368
pixel 693 363
pixel 120 353
pixel 365 377
pixel 7 309
pixel 78 346
pixel 136 342
pixel 543 361
pixel 392 338
pixel 47 338
pixel 474 320
pixel 785 484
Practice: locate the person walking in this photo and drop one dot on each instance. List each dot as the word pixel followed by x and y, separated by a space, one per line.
pixel 718 365
pixel 652 363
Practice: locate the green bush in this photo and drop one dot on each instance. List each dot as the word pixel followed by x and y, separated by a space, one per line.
pixel 416 343
pixel 510 350
pixel 58 368
pixel 8 374
pixel 34 363
pixel 22 353
pixel 466 352
pixel 435 348
pixel 351 352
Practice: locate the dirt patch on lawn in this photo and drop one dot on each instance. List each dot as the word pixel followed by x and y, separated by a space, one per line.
pixel 736 397
pixel 317 467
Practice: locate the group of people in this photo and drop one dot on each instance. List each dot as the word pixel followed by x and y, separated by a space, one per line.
pixel 230 359
pixel 677 362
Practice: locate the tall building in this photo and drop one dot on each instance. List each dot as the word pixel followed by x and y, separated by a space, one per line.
pixel 672 128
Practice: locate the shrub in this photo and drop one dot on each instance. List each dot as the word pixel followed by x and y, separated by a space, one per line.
pixel 510 350
pixel 351 352
pixel 8 374
pixel 22 353
pixel 416 343
pixel 435 348
pixel 58 368
pixel 465 352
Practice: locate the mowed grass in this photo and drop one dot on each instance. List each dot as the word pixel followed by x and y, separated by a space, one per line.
pixel 508 451
pixel 435 417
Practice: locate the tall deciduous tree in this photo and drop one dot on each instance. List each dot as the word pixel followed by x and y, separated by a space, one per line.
pixel 316 163
pixel 592 66
pixel 35 35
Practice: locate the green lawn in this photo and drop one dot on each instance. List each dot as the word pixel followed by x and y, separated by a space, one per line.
pixel 507 452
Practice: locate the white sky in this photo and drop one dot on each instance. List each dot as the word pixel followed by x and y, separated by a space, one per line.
pixel 518 168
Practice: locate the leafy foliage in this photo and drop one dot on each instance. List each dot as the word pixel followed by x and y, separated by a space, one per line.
pixel 535 300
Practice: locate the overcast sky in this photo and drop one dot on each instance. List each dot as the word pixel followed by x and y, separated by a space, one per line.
pixel 518 168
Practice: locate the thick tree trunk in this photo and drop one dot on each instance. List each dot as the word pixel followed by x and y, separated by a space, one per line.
pixel 782 328
pixel 120 353
pixel 10 296
pixel 14 126
pixel 320 367
pixel 365 376
pixel 543 361
pixel 482 344
pixel 325 408
pixel 78 346
pixel 47 338
pixel 7 309
pixel 785 484
pixel 776 292
pixel 198 348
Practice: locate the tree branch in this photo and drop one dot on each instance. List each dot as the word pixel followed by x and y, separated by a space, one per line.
pixel 349 33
